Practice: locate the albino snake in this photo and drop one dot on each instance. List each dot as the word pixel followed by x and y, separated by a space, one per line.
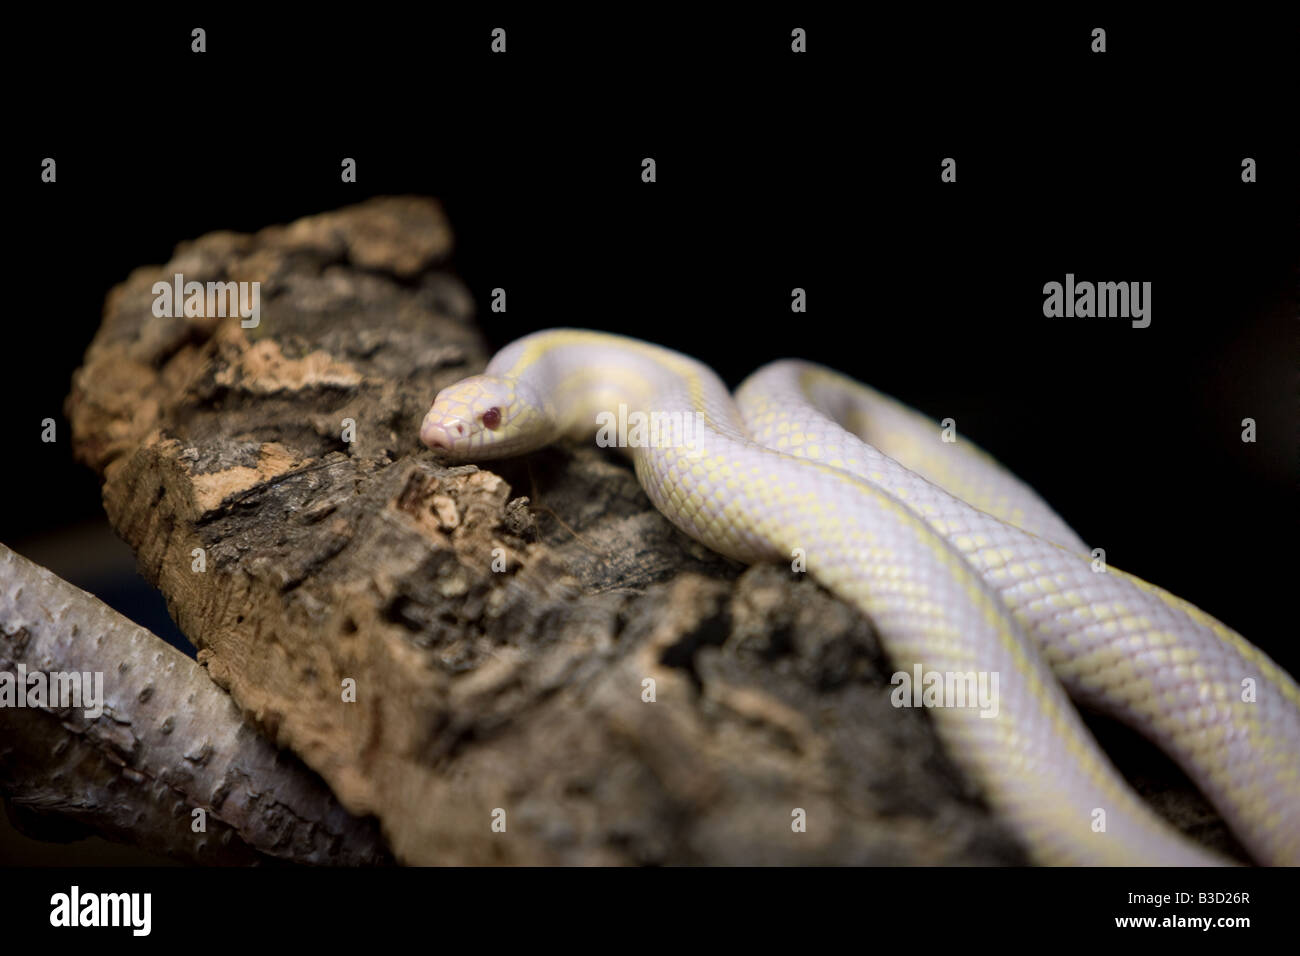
pixel 960 566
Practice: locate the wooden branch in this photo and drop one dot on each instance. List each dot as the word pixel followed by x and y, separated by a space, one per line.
pixel 481 692
pixel 162 742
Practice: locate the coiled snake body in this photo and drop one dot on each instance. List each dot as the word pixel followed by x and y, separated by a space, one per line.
pixel 960 566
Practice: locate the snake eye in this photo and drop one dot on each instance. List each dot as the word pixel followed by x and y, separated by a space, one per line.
pixel 492 418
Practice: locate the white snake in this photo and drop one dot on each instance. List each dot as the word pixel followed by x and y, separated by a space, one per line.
pixel 960 566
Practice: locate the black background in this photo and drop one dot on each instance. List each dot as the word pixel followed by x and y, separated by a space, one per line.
pixel 774 171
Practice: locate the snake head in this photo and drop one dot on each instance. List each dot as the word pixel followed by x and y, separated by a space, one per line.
pixel 484 416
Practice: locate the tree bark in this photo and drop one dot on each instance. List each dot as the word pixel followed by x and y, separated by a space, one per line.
pixel 482 696
pixel 167 743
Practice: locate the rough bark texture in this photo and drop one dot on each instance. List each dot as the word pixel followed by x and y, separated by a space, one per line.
pixel 167 742
pixel 476 690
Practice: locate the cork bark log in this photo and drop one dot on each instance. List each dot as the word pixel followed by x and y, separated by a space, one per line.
pixel 482 695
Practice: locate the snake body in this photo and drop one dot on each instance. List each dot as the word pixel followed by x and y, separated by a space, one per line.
pixel 961 567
